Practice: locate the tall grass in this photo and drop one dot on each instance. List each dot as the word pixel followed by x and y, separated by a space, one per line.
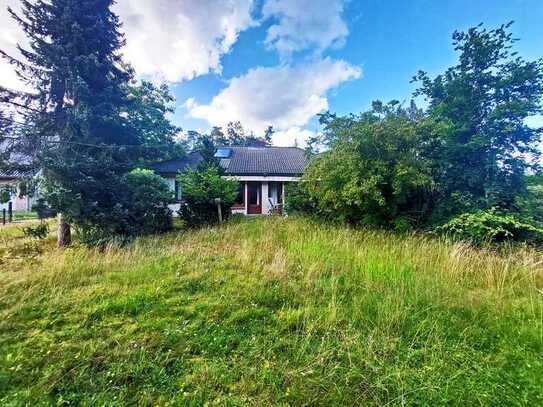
pixel 274 311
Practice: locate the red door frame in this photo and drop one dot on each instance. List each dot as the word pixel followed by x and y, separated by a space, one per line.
pixel 252 207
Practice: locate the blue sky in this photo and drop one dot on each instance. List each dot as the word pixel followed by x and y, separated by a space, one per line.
pixel 280 62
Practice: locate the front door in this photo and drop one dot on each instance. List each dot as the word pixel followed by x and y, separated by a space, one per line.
pixel 254 198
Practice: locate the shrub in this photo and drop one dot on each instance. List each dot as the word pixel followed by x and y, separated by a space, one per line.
pixel 299 200
pixel 43 210
pixel 491 226
pixel 5 193
pixel 374 171
pixel 37 232
pixel 200 189
pixel 148 200
pixel 141 208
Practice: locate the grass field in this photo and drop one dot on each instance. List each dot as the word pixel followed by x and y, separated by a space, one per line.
pixel 272 311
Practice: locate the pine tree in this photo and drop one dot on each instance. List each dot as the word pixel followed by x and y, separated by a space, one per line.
pixel 78 122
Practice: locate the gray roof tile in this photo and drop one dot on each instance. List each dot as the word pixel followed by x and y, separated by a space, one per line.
pixel 178 165
pixel 288 161
pixel 258 161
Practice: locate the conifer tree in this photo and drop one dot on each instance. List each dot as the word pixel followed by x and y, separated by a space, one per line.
pixel 77 121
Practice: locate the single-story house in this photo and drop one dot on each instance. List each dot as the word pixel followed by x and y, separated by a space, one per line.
pixel 18 203
pixel 262 173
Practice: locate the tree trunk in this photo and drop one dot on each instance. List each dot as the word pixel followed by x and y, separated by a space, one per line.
pixel 64 232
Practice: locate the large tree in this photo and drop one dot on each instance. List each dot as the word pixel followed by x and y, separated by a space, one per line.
pixel 373 172
pixel 485 99
pixel 84 122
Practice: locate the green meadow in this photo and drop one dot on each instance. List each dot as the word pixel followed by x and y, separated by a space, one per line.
pixel 270 311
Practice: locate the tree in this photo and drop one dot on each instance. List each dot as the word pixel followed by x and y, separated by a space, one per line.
pixel 84 124
pixel 235 133
pixel 485 100
pixel 200 189
pixel 373 172
pixel 147 115
pixel 268 135
pixel 218 137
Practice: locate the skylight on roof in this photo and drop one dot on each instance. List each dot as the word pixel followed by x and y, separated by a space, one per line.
pixel 223 153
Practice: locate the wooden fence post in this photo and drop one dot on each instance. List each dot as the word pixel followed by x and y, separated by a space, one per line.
pixel 4 216
pixel 10 212
pixel 219 209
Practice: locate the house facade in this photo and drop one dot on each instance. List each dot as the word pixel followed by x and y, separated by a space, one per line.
pixel 18 203
pixel 262 173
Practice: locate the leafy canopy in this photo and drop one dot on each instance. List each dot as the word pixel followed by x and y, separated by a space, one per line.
pixel 372 173
pixel 485 99
pixel 200 189
pixel 469 150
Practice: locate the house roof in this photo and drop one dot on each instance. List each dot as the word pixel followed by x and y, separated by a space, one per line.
pixel 288 161
pixel 178 165
pixel 257 161
pixel 13 174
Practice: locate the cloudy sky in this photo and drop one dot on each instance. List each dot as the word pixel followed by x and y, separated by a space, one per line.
pixel 281 62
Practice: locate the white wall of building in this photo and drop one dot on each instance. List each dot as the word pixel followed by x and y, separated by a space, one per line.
pixel 264 201
pixel 19 204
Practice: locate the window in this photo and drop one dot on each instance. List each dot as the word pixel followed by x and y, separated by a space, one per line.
pixel 177 190
pixel 240 199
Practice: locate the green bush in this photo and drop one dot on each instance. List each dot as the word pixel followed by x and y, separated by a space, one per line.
pixel 200 189
pixel 141 208
pixel 148 197
pixel 299 200
pixel 5 193
pixel 491 226
pixel 37 232
pixel 43 210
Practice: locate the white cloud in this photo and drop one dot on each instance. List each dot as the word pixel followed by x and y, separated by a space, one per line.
pixel 178 40
pixel 172 40
pixel 305 24
pixel 282 96
pixel 534 121
pixel 293 136
pixel 10 36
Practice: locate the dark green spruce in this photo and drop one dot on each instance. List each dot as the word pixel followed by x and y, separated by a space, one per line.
pixel 85 123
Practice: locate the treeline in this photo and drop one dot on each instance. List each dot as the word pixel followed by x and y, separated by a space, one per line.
pixel 467 164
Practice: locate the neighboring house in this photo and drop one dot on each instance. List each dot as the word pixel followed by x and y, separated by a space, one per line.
pixel 19 203
pixel 262 173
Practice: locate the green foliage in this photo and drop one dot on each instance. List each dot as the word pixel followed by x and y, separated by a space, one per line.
pixel 273 311
pixel 491 226
pixel 374 172
pixel 531 204
pixel 147 113
pixel 469 151
pixel 40 231
pixel 86 122
pixel 148 196
pixel 485 100
pixel 142 208
pixel 235 135
pixel 200 189
pixel 6 191
pixel 299 201
pixel 42 209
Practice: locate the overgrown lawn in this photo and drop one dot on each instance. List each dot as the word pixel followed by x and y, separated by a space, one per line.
pixel 273 311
